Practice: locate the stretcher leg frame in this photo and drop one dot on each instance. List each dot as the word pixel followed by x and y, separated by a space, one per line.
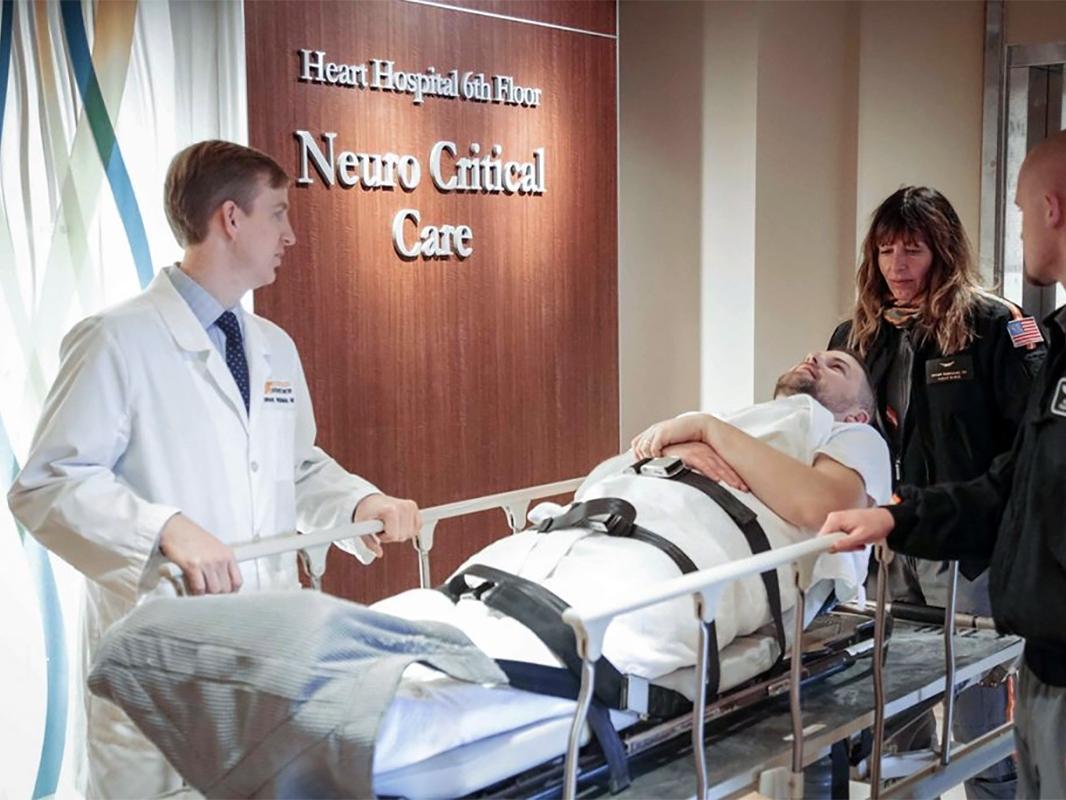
pixel 573 748
pixel 794 698
pixel 884 555
pixel 778 783
pixel 949 664
pixel 699 702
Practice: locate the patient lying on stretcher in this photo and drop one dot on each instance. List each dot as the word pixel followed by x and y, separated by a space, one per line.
pixel 791 460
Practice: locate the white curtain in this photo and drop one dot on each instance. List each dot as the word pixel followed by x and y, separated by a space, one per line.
pixel 95 99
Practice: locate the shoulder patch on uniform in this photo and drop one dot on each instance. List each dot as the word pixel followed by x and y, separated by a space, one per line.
pixel 1025 332
pixel 1058 401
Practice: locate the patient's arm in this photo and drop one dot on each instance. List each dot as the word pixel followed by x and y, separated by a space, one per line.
pixel 800 494
pixel 702 458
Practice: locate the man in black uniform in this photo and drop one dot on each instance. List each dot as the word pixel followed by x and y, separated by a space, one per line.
pixel 1014 514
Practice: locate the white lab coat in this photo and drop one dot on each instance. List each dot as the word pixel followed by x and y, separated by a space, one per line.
pixel 145 420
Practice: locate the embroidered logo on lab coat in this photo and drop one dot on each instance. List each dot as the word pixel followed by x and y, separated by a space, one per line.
pixel 278 392
pixel 1058 401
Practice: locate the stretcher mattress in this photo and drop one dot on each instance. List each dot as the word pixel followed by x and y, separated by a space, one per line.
pixel 445 738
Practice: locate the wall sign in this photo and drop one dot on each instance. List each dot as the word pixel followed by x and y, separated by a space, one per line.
pixel 453 286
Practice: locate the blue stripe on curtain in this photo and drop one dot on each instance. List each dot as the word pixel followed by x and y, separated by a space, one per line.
pixel 7 10
pixel 104 136
pixel 55 722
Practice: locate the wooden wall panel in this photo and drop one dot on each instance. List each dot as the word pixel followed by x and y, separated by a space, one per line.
pixel 447 379
pixel 599 16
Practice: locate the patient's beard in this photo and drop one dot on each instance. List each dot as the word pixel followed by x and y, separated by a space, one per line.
pixel 794 382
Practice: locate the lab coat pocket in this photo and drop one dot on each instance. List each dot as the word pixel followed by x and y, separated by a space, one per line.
pixel 279 431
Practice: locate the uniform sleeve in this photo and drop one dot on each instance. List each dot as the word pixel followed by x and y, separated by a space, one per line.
pixel 326 493
pixel 861 448
pixel 68 495
pixel 954 520
pixel 1013 369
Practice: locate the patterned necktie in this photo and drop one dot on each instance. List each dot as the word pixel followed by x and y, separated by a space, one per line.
pixel 235 359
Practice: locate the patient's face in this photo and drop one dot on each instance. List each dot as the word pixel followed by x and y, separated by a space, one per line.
pixel 833 378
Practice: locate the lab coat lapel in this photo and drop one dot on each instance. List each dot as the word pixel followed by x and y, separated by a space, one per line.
pixel 190 335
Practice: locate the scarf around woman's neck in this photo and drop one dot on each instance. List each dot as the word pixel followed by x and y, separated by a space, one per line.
pixel 901 316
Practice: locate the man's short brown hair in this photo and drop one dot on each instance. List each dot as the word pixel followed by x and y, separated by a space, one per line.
pixel 205 175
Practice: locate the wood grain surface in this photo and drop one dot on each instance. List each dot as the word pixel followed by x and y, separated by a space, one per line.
pixel 443 379
pixel 598 16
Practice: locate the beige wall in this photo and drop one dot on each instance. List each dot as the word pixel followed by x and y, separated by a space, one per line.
pixel 809 114
pixel 659 211
pixel 1035 21
pixel 921 76
pixel 727 192
pixel 806 147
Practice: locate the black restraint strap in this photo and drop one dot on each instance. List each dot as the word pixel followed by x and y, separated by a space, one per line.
pixel 620 521
pixel 748 522
pixel 556 682
pixel 541 611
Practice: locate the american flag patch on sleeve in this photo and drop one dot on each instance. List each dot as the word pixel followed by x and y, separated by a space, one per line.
pixel 1024 332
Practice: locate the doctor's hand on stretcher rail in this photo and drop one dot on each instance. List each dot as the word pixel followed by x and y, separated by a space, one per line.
pixel 681 437
pixel 401 518
pixel 863 526
pixel 208 566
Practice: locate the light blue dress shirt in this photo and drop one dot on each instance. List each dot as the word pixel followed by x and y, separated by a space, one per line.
pixel 204 306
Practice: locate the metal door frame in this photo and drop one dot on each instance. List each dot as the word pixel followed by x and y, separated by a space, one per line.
pixel 999 60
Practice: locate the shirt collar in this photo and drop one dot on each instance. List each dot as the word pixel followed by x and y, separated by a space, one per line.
pixel 205 307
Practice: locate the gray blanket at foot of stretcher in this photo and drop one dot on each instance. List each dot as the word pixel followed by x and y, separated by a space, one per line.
pixel 270 695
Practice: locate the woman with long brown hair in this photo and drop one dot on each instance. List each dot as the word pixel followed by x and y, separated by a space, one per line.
pixel 951 364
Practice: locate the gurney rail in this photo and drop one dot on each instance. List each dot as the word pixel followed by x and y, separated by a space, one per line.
pixel 590 622
pixel 312 548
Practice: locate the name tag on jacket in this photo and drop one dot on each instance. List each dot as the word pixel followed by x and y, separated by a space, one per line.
pixel 278 392
pixel 946 370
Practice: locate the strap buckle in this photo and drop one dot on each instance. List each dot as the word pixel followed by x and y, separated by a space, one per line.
pixel 635 694
pixel 663 467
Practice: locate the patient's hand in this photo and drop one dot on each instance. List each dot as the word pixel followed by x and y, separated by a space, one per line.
pixel 686 428
pixel 705 459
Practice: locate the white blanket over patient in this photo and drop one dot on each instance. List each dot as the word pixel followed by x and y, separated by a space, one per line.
pixel 580 565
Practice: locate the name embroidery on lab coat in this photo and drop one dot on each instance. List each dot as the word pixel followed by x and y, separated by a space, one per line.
pixel 278 392
pixel 1058 402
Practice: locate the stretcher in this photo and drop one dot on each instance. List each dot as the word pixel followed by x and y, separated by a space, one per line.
pixel 759 734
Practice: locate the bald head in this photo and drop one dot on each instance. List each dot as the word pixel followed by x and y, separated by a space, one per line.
pixel 1041 197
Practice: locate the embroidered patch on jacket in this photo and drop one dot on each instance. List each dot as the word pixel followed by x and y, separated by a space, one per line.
pixel 278 392
pixel 1025 332
pixel 945 370
pixel 1058 401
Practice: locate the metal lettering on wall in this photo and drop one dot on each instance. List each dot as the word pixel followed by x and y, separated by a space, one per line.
pixel 477 172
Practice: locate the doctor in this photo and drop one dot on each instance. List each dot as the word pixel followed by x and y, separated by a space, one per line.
pixel 180 425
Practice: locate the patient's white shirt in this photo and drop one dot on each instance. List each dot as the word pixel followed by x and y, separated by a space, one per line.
pixel 581 566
